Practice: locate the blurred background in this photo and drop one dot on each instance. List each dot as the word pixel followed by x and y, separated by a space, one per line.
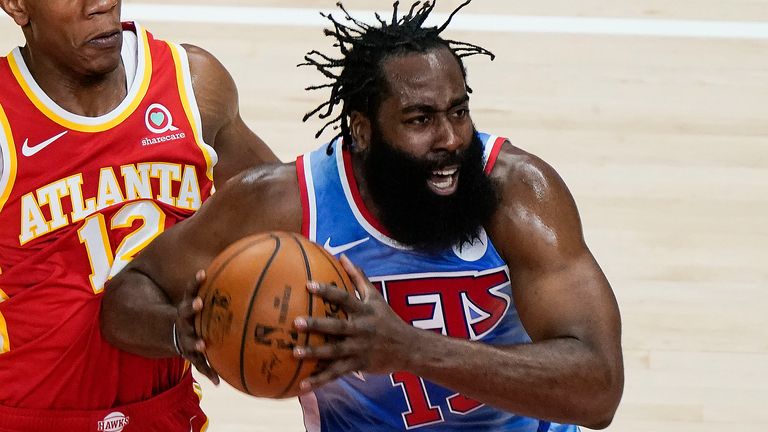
pixel 656 115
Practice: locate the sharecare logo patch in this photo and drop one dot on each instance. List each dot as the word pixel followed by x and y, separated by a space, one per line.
pixel 158 119
pixel 113 422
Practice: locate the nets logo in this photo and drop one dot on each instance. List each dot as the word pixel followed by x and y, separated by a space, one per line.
pixel 158 119
pixel 113 422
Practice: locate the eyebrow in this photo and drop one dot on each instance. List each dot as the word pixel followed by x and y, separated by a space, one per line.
pixel 430 108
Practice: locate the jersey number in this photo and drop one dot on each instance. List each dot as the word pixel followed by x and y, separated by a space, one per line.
pixel 93 234
pixel 421 412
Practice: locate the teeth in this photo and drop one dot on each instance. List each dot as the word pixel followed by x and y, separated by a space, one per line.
pixel 445 172
pixel 443 184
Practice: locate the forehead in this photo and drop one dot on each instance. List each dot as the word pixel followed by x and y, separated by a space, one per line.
pixel 430 78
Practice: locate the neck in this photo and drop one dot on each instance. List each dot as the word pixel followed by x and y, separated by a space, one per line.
pixel 78 93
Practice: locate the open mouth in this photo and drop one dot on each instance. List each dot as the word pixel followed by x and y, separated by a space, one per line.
pixel 444 181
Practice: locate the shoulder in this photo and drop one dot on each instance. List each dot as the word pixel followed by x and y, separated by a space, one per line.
pixel 204 65
pixel 208 74
pixel 536 211
pixel 215 91
pixel 525 178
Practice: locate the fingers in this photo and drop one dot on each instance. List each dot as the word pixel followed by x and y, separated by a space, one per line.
pixel 188 308
pixel 357 276
pixel 331 326
pixel 336 295
pixel 202 366
pixel 192 348
pixel 200 277
pixel 330 351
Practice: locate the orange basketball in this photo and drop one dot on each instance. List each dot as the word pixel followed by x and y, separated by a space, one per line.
pixel 253 291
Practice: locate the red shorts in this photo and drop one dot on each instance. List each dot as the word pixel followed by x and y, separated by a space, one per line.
pixel 176 410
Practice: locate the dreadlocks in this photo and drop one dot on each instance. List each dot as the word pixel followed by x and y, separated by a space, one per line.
pixel 361 84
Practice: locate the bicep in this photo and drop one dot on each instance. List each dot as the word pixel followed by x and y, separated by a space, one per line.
pixel 559 289
pixel 239 148
pixel 568 298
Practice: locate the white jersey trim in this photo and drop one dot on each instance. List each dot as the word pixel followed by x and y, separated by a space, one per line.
pixel 311 412
pixel 196 117
pixel 130 55
pixel 7 159
pixel 489 148
pixel 311 198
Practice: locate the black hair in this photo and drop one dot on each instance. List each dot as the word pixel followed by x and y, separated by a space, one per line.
pixel 361 84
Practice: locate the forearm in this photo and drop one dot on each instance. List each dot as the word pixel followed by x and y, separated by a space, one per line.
pixel 136 316
pixel 561 380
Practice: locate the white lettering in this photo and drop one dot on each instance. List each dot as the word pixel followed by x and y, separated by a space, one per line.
pixel 81 209
pixel 33 223
pixel 109 189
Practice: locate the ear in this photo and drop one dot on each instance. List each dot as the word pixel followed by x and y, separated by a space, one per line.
pixel 360 128
pixel 17 10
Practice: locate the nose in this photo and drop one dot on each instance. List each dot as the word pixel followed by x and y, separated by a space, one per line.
pixel 447 137
pixel 98 7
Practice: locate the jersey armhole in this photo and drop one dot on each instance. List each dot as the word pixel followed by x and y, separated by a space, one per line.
pixel 188 100
pixel 7 159
pixel 307 192
pixel 493 153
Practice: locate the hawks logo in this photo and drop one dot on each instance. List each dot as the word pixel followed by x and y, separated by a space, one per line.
pixel 466 306
pixel 113 422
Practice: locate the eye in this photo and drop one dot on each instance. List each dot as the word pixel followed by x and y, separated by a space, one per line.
pixel 419 120
pixel 461 113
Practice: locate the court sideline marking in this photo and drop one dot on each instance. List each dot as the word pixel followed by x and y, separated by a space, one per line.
pixel 306 17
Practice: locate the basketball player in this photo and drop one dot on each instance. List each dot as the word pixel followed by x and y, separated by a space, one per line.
pixel 104 134
pixel 482 309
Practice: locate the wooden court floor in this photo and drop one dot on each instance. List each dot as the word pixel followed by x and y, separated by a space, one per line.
pixel 664 144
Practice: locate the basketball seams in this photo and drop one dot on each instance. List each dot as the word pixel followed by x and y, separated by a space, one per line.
pixel 247 319
pixel 310 309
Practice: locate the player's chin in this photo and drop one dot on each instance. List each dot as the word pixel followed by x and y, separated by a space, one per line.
pixel 102 64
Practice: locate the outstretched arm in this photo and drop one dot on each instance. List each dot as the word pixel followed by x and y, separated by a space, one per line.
pixel 571 373
pixel 237 146
pixel 158 288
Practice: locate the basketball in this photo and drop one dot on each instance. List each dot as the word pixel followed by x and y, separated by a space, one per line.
pixel 254 290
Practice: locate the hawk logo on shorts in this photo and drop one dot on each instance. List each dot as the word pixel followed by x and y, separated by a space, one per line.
pixel 113 422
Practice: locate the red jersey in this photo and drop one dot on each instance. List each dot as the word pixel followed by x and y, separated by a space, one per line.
pixel 79 197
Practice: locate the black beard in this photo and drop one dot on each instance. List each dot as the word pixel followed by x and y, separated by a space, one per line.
pixel 416 216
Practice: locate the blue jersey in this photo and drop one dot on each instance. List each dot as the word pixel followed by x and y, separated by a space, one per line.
pixel 460 292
